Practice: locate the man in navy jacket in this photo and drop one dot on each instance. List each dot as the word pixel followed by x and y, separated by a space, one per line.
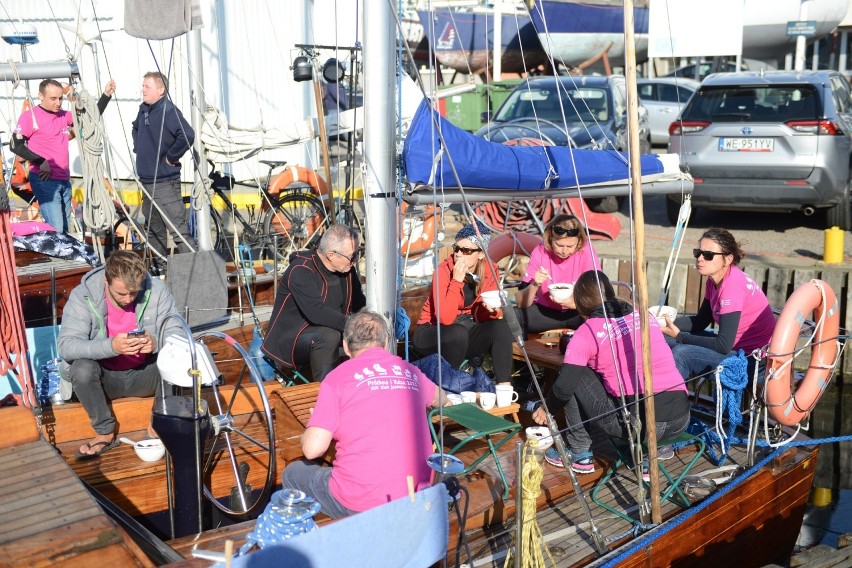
pixel 161 136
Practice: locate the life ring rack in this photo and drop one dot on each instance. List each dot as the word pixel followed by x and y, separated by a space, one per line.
pixel 786 406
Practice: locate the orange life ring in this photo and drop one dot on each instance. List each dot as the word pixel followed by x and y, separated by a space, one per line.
pixel 785 406
pixel 301 174
pixel 424 240
pixel 513 242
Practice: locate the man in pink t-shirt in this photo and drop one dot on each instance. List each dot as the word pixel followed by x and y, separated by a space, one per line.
pixel 374 407
pixel 41 138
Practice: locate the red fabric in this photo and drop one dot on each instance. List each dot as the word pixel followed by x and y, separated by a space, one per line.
pixel 451 295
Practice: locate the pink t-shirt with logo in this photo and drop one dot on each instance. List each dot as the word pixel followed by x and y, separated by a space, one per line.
pixel 590 346
pixel 375 407
pixel 121 321
pixel 739 293
pixel 563 271
pixel 48 138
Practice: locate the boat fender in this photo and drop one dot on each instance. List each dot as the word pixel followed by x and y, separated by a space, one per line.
pixel 785 406
pixel 415 242
pixel 512 243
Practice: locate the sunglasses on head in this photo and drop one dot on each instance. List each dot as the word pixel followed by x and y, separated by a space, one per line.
pixel 707 254
pixel 563 232
pixel 464 250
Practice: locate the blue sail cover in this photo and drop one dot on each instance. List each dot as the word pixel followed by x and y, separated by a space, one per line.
pixel 489 165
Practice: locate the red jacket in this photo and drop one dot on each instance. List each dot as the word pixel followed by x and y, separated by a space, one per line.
pixel 451 294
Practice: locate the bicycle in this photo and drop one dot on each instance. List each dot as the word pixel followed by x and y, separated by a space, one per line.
pixel 295 215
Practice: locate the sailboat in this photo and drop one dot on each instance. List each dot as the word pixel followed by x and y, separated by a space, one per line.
pixel 771 493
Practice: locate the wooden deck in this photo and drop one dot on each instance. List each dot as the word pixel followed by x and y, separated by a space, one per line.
pixel 47 516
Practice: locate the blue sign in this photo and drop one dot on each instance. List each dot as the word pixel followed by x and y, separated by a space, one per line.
pixel 801 28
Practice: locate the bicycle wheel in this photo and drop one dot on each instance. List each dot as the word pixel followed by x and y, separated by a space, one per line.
pixel 299 221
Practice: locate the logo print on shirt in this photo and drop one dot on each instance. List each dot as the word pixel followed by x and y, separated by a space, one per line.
pixel 379 369
pixel 367 372
pixel 396 370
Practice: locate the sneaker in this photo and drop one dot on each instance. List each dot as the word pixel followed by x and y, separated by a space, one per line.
pixel 665 453
pixel 581 463
pixel 646 475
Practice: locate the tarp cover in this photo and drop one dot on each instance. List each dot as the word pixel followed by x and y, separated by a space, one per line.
pixel 484 164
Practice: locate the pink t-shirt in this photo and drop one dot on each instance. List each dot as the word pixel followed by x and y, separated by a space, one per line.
pixel 590 346
pixel 121 321
pixel 48 138
pixel 563 271
pixel 375 408
pixel 739 293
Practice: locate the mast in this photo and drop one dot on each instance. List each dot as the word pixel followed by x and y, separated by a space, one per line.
pixel 380 156
pixel 639 241
pixel 199 105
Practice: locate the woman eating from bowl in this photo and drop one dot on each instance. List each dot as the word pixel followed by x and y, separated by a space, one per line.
pixel 601 363
pixel 563 255
pixel 455 314
pixel 732 301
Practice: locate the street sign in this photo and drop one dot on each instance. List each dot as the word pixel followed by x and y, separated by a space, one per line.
pixel 801 28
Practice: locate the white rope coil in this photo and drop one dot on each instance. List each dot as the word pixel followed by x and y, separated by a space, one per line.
pixel 98 207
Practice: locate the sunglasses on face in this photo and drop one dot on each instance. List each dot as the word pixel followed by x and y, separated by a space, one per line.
pixel 464 250
pixel 707 254
pixel 352 259
pixel 563 232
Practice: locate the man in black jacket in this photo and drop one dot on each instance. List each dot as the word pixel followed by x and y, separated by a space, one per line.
pixel 316 293
pixel 161 136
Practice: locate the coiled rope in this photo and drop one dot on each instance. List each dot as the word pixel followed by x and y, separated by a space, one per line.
pixel 98 207
pixel 532 539
pixel 731 379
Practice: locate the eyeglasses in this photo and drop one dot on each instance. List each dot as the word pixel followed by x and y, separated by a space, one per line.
pixel 351 259
pixel 707 254
pixel 563 232
pixel 464 250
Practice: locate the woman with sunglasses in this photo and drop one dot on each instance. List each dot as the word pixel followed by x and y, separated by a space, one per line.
pixel 454 313
pixel 563 255
pixel 732 301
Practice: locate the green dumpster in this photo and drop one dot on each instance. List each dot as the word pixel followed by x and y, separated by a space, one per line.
pixel 500 91
pixel 464 110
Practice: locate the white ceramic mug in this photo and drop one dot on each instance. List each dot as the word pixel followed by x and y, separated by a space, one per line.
pixel 487 400
pixel 468 396
pixel 506 395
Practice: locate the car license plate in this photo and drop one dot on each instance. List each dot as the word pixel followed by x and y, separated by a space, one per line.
pixel 746 144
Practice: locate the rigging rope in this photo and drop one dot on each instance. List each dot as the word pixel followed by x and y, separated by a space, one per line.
pixel 532 539
pixel 98 206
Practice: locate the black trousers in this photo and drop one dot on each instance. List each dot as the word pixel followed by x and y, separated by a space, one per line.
pixel 460 341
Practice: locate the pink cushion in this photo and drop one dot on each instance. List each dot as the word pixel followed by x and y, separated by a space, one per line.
pixel 24 228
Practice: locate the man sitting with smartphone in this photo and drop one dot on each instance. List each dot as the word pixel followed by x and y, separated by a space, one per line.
pixel 108 339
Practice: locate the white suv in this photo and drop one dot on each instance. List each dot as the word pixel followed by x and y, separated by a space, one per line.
pixel 768 141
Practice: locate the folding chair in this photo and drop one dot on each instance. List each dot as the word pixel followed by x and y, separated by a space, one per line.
pixel 481 425
pixel 671 493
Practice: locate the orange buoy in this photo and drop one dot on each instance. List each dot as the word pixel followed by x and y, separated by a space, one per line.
pixel 785 406
pixel 302 174
pixel 414 243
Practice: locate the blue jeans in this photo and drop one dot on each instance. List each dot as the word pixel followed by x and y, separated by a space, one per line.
pixel 313 479
pixel 54 201
pixel 694 360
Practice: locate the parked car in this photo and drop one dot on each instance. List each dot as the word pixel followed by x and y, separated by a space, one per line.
pixel 584 112
pixel 664 97
pixel 698 71
pixel 768 141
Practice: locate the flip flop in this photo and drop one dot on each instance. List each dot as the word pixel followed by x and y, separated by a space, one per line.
pixel 105 446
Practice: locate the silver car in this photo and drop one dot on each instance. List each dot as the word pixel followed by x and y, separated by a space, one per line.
pixel 664 97
pixel 768 141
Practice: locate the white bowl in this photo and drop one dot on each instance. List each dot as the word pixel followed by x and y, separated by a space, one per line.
pixel 560 292
pixel 491 298
pixel 660 312
pixel 150 450
pixel 542 435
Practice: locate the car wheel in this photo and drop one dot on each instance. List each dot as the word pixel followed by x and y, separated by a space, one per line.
pixel 840 215
pixel 609 204
pixel 672 210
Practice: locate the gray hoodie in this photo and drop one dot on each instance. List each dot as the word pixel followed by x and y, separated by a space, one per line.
pixel 83 334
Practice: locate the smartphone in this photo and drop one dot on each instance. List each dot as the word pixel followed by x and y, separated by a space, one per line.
pixel 136 333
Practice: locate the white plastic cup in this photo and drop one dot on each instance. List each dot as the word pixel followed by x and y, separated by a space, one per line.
pixel 487 400
pixel 506 395
pixel 468 396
